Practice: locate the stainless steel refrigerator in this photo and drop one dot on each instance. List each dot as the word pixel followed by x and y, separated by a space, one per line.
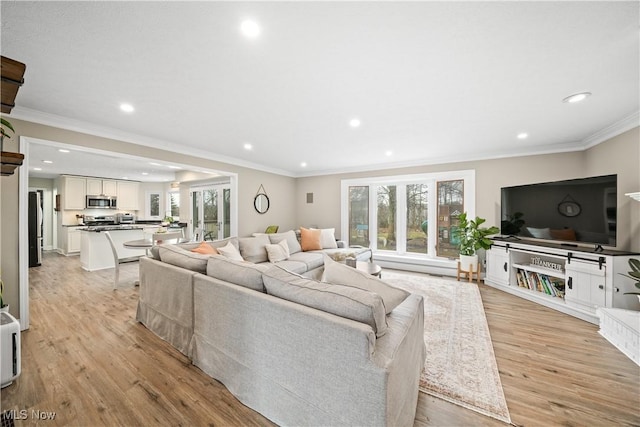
pixel 35 229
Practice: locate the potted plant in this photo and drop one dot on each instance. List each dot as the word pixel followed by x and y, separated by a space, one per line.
pixel 634 274
pixel 471 237
pixel 5 127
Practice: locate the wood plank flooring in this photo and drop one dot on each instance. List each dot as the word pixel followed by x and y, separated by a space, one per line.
pixel 87 359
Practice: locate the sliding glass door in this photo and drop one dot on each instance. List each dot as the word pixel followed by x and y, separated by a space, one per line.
pixel 211 210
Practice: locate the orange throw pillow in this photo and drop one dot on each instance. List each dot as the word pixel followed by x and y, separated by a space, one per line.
pixel 310 239
pixel 205 249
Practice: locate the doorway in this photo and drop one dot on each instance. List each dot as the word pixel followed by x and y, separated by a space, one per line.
pixel 211 210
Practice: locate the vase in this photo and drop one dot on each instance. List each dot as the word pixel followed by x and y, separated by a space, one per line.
pixel 467 262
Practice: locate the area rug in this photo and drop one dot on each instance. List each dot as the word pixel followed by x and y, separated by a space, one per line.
pixel 461 365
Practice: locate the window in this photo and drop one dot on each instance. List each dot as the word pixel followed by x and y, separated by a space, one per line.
pixel 173 210
pixel 413 215
pixel 358 216
pixel 417 218
pixel 152 205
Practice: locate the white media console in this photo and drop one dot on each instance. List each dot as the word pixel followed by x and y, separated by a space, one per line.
pixel 574 280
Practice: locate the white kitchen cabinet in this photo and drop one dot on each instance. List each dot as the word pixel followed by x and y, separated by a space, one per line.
pixel 74 192
pixel 128 195
pixel 105 187
pixel 73 240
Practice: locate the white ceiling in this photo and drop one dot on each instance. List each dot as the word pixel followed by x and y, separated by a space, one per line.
pixel 430 81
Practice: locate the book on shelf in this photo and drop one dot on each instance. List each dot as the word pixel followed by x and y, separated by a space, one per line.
pixel 543 283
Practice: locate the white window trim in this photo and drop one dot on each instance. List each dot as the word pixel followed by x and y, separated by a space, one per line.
pixel 469 179
pixel 147 205
pixel 167 207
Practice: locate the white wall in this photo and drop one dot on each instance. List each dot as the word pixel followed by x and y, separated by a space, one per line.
pixel 620 155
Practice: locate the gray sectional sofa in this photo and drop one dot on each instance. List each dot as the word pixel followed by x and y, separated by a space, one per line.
pixel 299 351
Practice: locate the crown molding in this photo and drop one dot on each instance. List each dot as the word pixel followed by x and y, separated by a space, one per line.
pixel 74 125
pixel 619 127
pixel 53 120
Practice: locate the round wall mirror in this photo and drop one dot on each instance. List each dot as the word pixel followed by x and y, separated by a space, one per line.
pixel 261 203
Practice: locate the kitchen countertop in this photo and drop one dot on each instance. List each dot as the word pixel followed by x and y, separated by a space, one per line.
pixel 99 228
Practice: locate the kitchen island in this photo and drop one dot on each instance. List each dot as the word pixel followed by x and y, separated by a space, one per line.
pixel 95 250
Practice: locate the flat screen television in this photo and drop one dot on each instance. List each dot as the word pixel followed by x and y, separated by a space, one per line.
pixel 572 211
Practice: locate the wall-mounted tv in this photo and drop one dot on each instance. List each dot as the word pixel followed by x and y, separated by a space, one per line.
pixel 572 211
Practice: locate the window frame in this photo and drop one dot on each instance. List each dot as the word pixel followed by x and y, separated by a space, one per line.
pixel 401 181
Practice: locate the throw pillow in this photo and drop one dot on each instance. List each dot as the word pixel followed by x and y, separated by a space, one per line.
pixel 342 274
pixel 292 240
pixel 344 301
pixel 231 252
pixel 205 248
pixel 278 252
pixel 310 239
pixel 253 249
pixel 328 238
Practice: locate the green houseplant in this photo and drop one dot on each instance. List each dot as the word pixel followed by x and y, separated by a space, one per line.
pixel 634 274
pixel 5 127
pixel 471 237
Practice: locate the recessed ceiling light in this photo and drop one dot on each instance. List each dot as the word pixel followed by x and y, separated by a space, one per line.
pixel 303 164
pixel 354 123
pixel 388 153
pixel 577 97
pixel 174 167
pixel 127 108
pixel 47 161
pixel 125 177
pixel 37 169
pixel 155 164
pixel 62 150
pixel 248 146
pixel 250 28
pixel 145 173
pixel 523 135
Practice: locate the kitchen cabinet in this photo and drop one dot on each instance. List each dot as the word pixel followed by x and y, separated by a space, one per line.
pixel 101 187
pixel 74 192
pixel 128 195
pixel 73 240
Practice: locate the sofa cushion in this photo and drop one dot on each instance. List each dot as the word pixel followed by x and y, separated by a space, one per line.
pixel 230 251
pixel 174 255
pixel 253 249
pixel 310 239
pixel 242 273
pixel 292 240
pixel 344 301
pixel 310 259
pixel 278 252
pixel 293 266
pixel 342 274
pixel 205 248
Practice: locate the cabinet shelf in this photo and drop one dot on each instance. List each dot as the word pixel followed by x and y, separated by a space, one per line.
pixel 540 270
pixel 10 161
pixel 582 279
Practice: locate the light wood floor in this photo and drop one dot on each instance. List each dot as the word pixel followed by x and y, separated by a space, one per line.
pixel 86 359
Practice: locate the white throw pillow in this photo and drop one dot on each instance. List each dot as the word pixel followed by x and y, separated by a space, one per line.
pixel 231 252
pixel 278 252
pixel 341 274
pixel 328 238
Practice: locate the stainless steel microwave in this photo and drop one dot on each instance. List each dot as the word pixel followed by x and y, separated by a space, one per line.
pixel 102 202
